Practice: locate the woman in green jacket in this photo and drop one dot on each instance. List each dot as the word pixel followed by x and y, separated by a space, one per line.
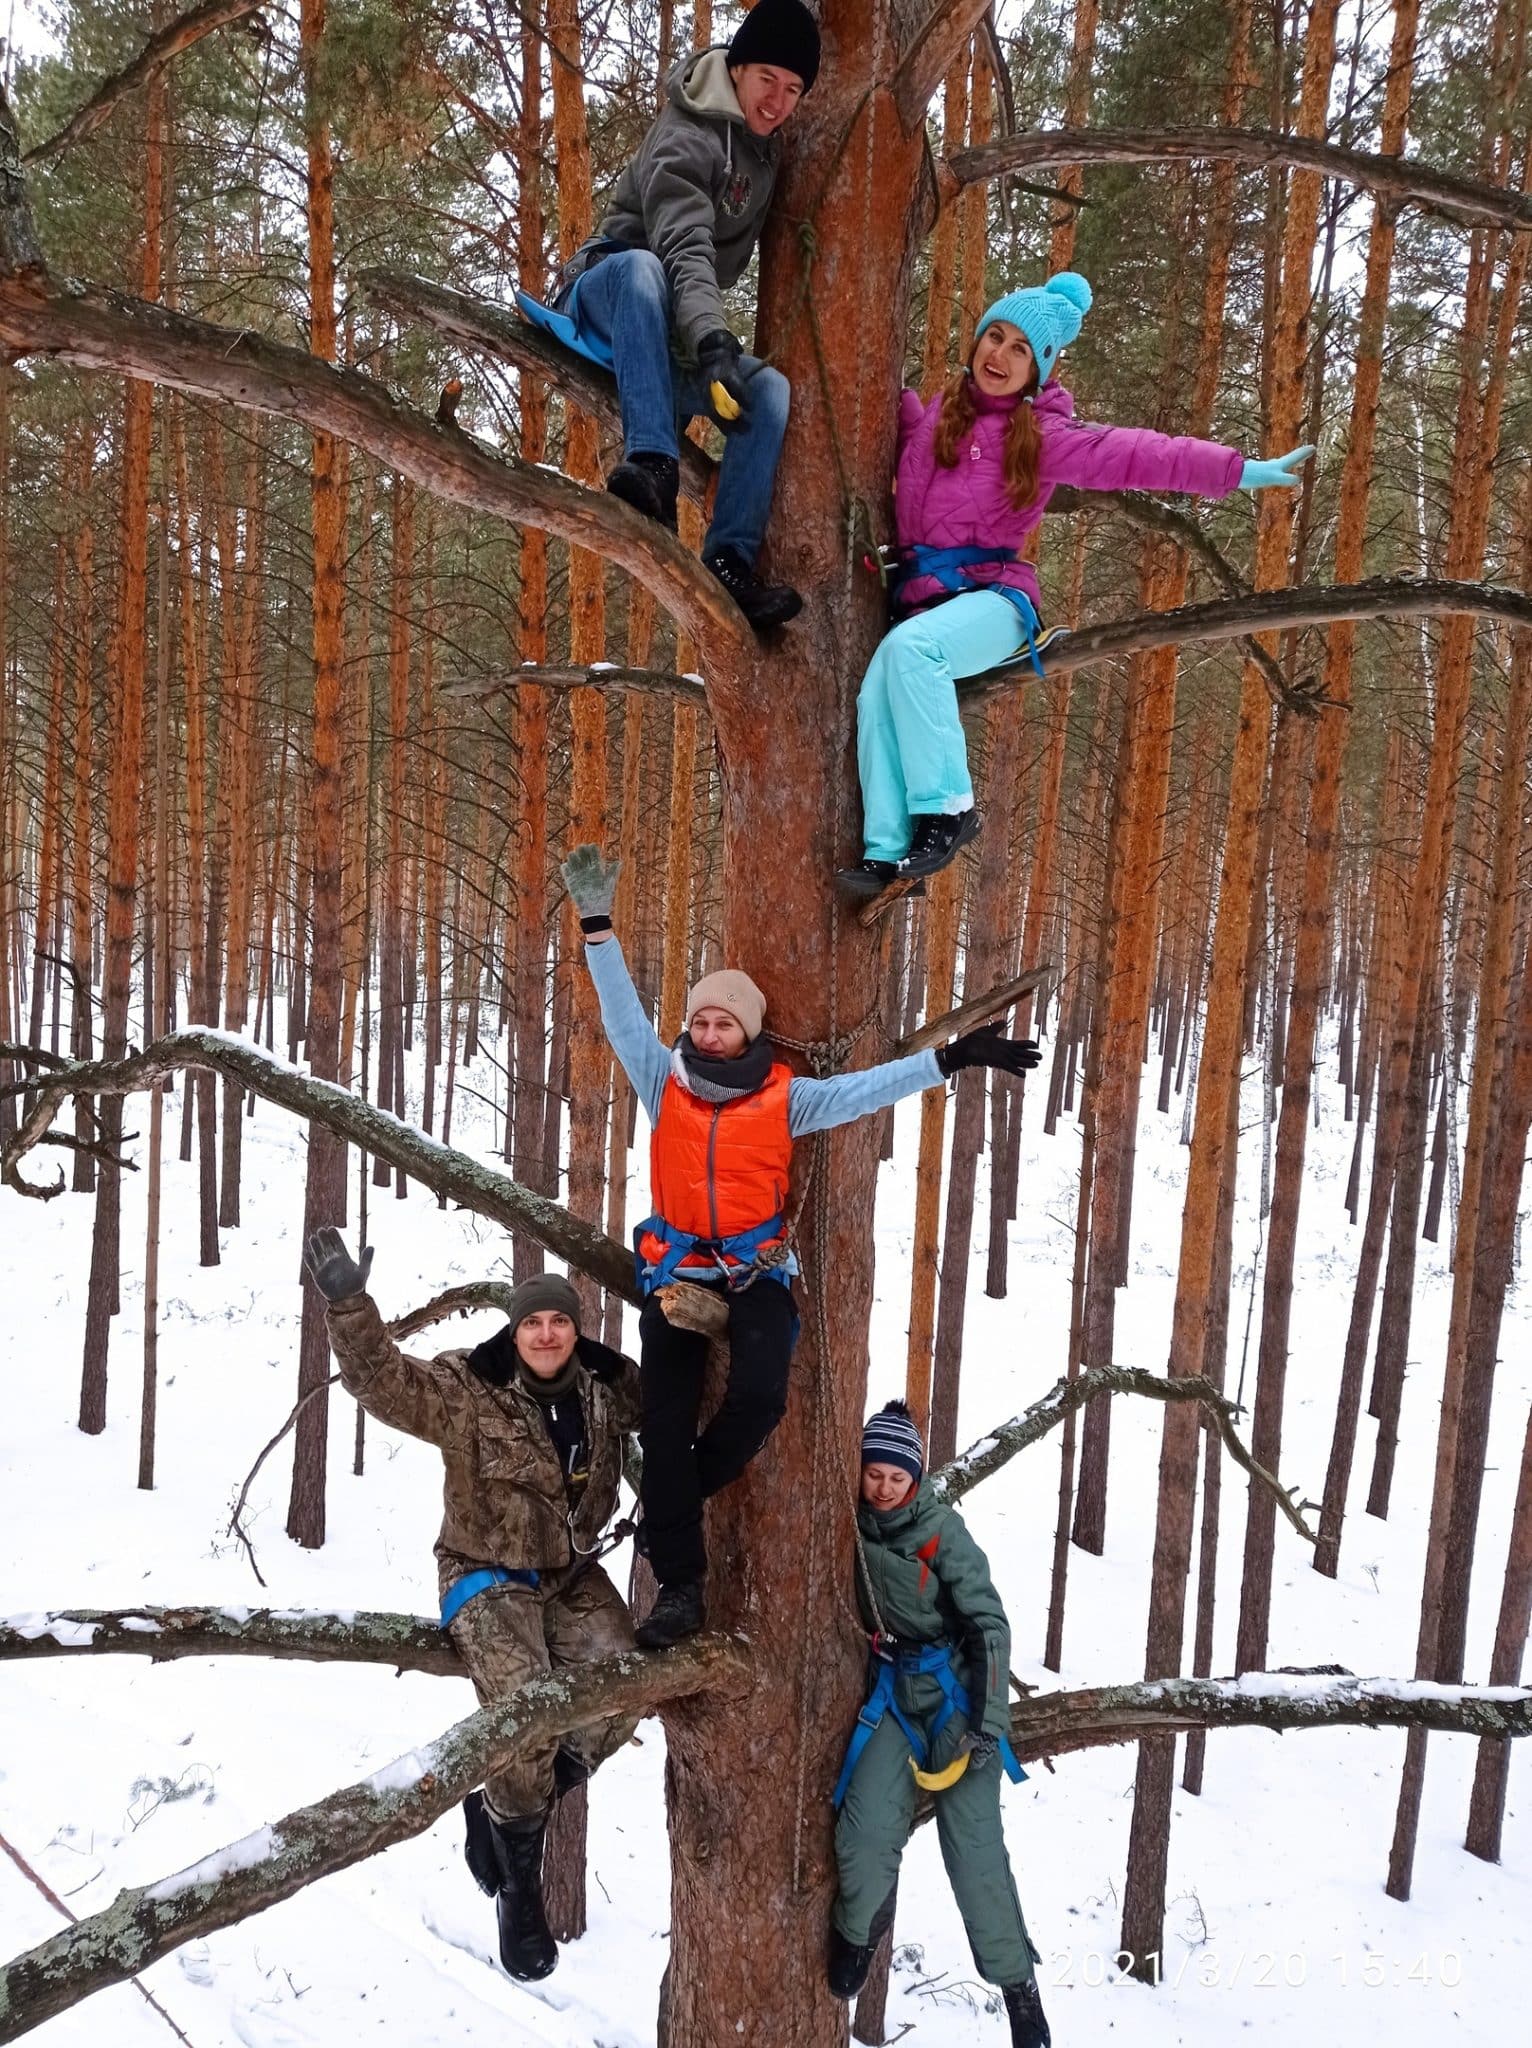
pixel 937 1714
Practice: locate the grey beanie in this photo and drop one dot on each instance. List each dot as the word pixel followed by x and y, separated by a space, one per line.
pixel 544 1291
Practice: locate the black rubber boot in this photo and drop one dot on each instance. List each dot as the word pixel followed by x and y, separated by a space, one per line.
pixel 527 1947
pixel 649 483
pixel 1024 2007
pixel 939 838
pixel 849 1964
pixel 763 604
pixel 678 1612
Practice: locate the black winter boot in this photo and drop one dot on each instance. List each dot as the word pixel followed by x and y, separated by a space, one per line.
pixel 871 877
pixel 679 1611
pixel 527 1947
pixel 849 1964
pixel 938 838
pixel 763 604
pixel 569 1770
pixel 649 483
pixel 1024 2006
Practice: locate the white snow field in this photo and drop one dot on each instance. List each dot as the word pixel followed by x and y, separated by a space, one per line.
pixel 114 1772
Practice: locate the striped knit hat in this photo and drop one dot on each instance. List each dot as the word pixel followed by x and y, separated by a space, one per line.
pixel 891 1438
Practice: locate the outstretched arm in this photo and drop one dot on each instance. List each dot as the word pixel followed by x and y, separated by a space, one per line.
pixel 1095 458
pixel 592 884
pixel 821 1105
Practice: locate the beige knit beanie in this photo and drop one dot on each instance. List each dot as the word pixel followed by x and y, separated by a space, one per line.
pixel 728 989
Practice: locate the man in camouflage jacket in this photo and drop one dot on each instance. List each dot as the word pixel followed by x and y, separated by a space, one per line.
pixel 530 1426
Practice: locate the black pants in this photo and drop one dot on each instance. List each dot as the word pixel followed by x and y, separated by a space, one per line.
pixel 681 1469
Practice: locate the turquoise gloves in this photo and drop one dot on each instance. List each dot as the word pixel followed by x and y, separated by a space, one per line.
pixel 1279 473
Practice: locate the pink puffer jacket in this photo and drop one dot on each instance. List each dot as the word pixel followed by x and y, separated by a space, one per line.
pixel 967 506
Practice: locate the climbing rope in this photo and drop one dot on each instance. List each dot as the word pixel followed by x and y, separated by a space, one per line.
pixel 826 1423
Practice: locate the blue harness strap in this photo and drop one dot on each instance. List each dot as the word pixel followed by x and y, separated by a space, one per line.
pixel 741 1246
pixel 933 1660
pixel 461 1591
pixel 565 330
pixel 946 566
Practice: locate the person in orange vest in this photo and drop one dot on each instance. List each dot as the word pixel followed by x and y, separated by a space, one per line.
pixel 724 1112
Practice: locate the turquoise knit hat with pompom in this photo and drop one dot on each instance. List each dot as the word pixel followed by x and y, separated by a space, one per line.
pixel 1049 315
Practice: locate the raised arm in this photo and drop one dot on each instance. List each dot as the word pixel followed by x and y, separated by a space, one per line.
pixel 418 1395
pixel 592 883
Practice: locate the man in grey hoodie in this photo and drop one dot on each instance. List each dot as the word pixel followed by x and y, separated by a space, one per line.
pixel 645 291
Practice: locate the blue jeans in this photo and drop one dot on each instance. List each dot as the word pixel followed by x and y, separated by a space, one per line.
pixel 910 749
pixel 625 301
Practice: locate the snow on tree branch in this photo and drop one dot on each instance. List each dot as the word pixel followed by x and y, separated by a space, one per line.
pixel 1396 180
pixel 403 1799
pixel 439 1167
pixel 952 1481
pixel 166 1634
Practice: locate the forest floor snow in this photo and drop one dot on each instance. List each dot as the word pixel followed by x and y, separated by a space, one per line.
pixel 114 1772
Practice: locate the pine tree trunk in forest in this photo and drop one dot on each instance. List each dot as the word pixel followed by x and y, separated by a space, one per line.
pixel 81 1034
pixel 1486 1810
pixel 1218 1076
pixel 124 797
pixel 157 1020
pixel 1069 178
pixel 944 896
pixel 48 853
pixel 325 1190
pixel 239 717
pixel 941 292
pixel 1312 958
pixel 1390 1361
pixel 393 936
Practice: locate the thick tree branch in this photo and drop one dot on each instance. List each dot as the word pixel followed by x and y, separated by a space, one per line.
pixel 1054 1723
pixel 162 48
pixel 603 675
pixel 1398 179
pixel 952 1481
pixel 439 1167
pixel 977 1010
pixel 492 331
pixel 166 1634
pixel 401 1800
pixel 945 33
pixel 1264 611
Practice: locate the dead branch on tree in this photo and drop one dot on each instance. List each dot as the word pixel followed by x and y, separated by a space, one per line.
pixel 977 1010
pixel 605 675
pixel 1397 180
pixel 166 1634
pixel 162 48
pixel 952 1481
pixel 940 41
pixel 438 1167
pixel 401 1800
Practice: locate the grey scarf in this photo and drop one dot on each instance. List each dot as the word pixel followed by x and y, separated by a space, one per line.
pixel 720 1080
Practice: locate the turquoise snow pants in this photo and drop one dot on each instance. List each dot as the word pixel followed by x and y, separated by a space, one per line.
pixel 878 1813
pixel 909 739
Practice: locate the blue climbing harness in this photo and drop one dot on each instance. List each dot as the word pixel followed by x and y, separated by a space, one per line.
pixel 740 1248
pixel 931 1660
pixel 461 1591
pixel 946 566
pixel 564 328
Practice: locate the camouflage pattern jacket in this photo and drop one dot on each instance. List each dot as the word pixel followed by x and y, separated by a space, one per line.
pixel 505 1498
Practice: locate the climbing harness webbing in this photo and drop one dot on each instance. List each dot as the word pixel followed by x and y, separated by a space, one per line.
pixel 946 565
pixel 461 1591
pixel 931 1660
pixel 759 1251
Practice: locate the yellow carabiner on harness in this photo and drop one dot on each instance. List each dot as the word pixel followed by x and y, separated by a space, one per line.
pixel 943 1780
pixel 725 404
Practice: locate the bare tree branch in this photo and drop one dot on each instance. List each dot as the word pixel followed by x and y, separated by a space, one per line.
pixel 1265 611
pixel 1153 515
pixel 951 1482
pixel 401 1800
pixel 1400 180
pixel 166 1634
pixel 604 675
pixel 1055 1723
pixel 977 1010
pixel 943 36
pixel 162 48
pixel 505 336
pixel 439 1167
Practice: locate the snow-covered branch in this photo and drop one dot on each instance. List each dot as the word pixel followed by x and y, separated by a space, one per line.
pixel 436 1166
pixel 952 1481
pixel 165 1634
pixel 403 1799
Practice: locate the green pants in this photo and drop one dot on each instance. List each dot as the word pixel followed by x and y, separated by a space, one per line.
pixel 875 1822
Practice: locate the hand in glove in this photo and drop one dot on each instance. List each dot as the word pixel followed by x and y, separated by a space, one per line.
pixel 728 388
pixel 1280 473
pixel 592 883
pixel 989 1047
pixel 331 1267
pixel 982 1750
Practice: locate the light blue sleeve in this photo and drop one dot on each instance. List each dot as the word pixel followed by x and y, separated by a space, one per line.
pixel 631 1036
pixel 821 1105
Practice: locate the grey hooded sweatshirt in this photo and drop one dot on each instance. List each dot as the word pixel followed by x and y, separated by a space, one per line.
pixel 696 194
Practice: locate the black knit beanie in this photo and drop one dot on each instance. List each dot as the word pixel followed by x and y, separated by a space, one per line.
pixel 544 1291
pixel 779 32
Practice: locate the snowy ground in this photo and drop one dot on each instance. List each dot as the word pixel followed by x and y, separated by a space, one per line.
pixel 113 1772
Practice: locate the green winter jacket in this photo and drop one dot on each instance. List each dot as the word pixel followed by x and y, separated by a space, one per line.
pixel 696 194
pixel 929 1580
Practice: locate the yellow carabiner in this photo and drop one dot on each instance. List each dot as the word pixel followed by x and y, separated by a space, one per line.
pixel 725 405
pixel 940 1781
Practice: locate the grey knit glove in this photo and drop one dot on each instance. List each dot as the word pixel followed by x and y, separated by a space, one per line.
pixel 592 883
pixel 983 1749
pixel 331 1267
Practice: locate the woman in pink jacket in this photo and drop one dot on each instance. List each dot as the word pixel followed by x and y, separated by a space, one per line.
pixel 977 467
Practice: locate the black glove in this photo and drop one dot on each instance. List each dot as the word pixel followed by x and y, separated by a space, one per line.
pixel 989 1047
pixel 331 1267
pixel 983 1749
pixel 728 390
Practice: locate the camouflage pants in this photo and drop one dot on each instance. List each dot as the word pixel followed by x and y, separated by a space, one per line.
pixel 511 1634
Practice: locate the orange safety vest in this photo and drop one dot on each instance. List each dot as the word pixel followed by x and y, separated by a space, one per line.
pixel 714 1180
